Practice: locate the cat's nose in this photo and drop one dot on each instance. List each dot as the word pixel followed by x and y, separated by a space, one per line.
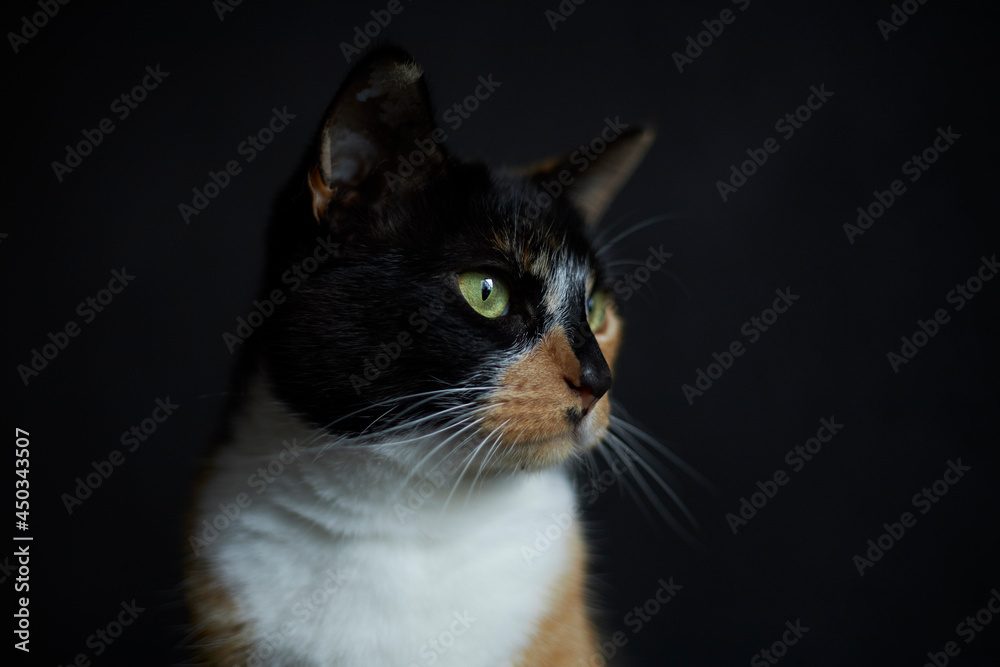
pixel 594 382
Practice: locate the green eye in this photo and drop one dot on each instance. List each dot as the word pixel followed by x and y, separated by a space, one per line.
pixel 597 306
pixel 486 293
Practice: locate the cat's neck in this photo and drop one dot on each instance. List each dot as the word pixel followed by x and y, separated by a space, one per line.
pixel 392 486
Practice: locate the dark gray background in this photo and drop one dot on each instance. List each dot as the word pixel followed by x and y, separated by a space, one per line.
pixel 825 357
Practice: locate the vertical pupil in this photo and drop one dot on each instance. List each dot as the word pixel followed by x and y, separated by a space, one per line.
pixel 487 287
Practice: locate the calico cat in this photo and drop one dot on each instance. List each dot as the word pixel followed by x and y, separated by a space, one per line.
pixel 403 423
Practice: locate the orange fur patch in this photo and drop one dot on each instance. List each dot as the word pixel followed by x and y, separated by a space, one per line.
pixel 565 637
pixel 527 413
pixel 221 634
pixel 322 193
pixel 609 337
pixel 531 402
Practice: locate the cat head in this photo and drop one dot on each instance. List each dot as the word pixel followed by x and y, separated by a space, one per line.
pixel 430 295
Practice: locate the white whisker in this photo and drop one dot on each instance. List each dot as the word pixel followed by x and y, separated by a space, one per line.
pixel 631 230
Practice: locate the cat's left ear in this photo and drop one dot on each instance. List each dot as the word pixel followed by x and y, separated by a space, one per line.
pixel 380 116
pixel 591 180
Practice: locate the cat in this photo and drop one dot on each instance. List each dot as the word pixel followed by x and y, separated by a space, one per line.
pixel 436 355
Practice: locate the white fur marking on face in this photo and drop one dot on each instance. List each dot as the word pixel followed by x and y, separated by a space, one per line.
pixel 552 300
pixel 561 288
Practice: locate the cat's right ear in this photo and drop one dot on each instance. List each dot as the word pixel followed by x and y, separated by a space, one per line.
pixel 380 117
pixel 591 181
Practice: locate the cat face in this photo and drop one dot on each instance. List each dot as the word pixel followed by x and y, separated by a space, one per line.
pixel 455 303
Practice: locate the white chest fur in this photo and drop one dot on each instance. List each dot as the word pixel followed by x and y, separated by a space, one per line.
pixel 347 559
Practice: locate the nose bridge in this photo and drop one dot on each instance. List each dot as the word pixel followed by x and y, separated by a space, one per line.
pixel 557 344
